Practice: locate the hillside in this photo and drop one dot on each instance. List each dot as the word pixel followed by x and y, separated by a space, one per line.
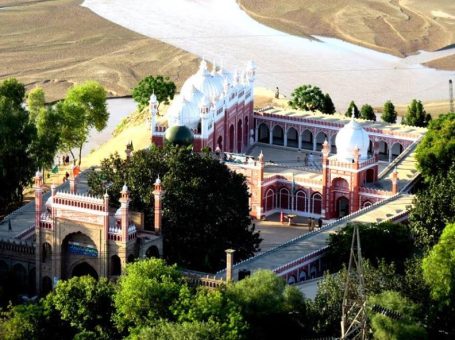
pixel 398 27
pixel 57 43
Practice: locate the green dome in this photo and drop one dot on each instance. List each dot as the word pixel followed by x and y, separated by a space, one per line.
pixel 179 135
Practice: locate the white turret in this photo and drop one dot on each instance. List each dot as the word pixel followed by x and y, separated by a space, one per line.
pixel 153 107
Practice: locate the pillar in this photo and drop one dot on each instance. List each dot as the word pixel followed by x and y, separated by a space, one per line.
pixel 260 179
pixel 124 219
pixel 314 142
pixel 355 185
pixel 229 264
pixel 395 181
pixel 158 208
pixel 325 182
pixel 300 140
pixel 285 136
pixel 389 151
pixel 271 136
pixel 38 208
pixel 106 233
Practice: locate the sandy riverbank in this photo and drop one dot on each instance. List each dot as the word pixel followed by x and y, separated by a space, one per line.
pixel 57 43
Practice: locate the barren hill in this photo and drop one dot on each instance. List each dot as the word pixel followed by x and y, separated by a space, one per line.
pixel 57 43
pixel 398 27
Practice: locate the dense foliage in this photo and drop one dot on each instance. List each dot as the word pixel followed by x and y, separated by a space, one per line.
pixel 152 300
pixel 436 152
pixel 28 143
pixel 163 88
pixel 367 112
pixel 84 108
pixel 416 115
pixel 205 205
pixel 389 114
pixel 311 98
pixel 397 237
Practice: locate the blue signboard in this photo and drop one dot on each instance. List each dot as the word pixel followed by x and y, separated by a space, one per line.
pixel 84 250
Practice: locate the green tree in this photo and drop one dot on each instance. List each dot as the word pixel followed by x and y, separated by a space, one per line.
pixel 439 267
pixel 47 142
pixel 389 241
pixel 165 330
pixel 85 303
pixel 212 306
pixel 434 208
pixel 145 293
pixel 436 152
pixel 405 326
pixel 308 98
pixel 84 108
pixel 205 206
pixel 17 160
pixel 352 108
pixel 36 101
pixel 389 114
pixel 21 322
pixel 163 88
pixel 416 115
pixel 367 112
pixel 14 90
pixel 268 304
pixel 327 105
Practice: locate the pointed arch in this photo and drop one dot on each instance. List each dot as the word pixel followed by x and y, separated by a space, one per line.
pixel 285 201
pixel 278 135
pixel 269 199
pixel 263 133
pixel 292 138
pixel 316 203
pixel 307 140
pixel 301 201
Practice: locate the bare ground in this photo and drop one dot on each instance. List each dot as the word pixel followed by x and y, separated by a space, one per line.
pixel 55 44
pixel 398 27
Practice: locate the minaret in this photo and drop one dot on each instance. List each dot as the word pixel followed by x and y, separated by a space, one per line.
pixel 153 108
pixel 325 180
pixel 124 219
pixel 251 73
pixel 158 211
pixel 38 198
pixel 395 181
pixel 259 191
pixel 355 185
pixel 38 207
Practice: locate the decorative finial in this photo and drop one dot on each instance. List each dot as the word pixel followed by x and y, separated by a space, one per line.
pixel 158 180
pixel 125 188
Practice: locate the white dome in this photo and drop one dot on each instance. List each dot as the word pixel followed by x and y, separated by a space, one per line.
pixel 192 94
pixel 183 112
pixel 350 136
pixel 210 86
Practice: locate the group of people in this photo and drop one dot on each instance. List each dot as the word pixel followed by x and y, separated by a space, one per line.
pixel 312 223
pixel 65 160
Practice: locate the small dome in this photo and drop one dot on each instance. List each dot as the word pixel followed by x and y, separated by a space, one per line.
pixel 191 93
pixel 38 174
pixel 179 135
pixel 350 136
pixel 124 188
pixel 158 181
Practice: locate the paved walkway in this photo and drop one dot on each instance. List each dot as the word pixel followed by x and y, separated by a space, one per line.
pixel 309 243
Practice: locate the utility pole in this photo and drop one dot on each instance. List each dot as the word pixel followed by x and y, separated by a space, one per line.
pixel 353 316
pixel 451 96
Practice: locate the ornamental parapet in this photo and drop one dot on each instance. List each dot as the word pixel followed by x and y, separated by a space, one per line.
pixel 376 192
pixel 288 178
pixel 79 201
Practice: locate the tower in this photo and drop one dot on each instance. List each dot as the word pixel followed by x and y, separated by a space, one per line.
pixel 325 179
pixel 353 316
pixel 204 109
pixel 124 213
pixel 158 207
pixel 38 208
pixel 153 108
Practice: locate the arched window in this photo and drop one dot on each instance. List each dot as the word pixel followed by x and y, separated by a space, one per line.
pixel 46 252
pixel 301 201
pixel 307 140
pixel 320 139
pixel 383 151
pixel 231 138
pixel 284 199
pixel 152 252
pixel 278 135
pixel 239 135
pixel 316 203
pixel 292 138
pixel 246 130
pixel 397 148
pixel 263 134
pixel 366 204
pixel 269 200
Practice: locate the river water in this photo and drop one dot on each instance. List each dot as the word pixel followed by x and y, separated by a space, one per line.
pixel 221 32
